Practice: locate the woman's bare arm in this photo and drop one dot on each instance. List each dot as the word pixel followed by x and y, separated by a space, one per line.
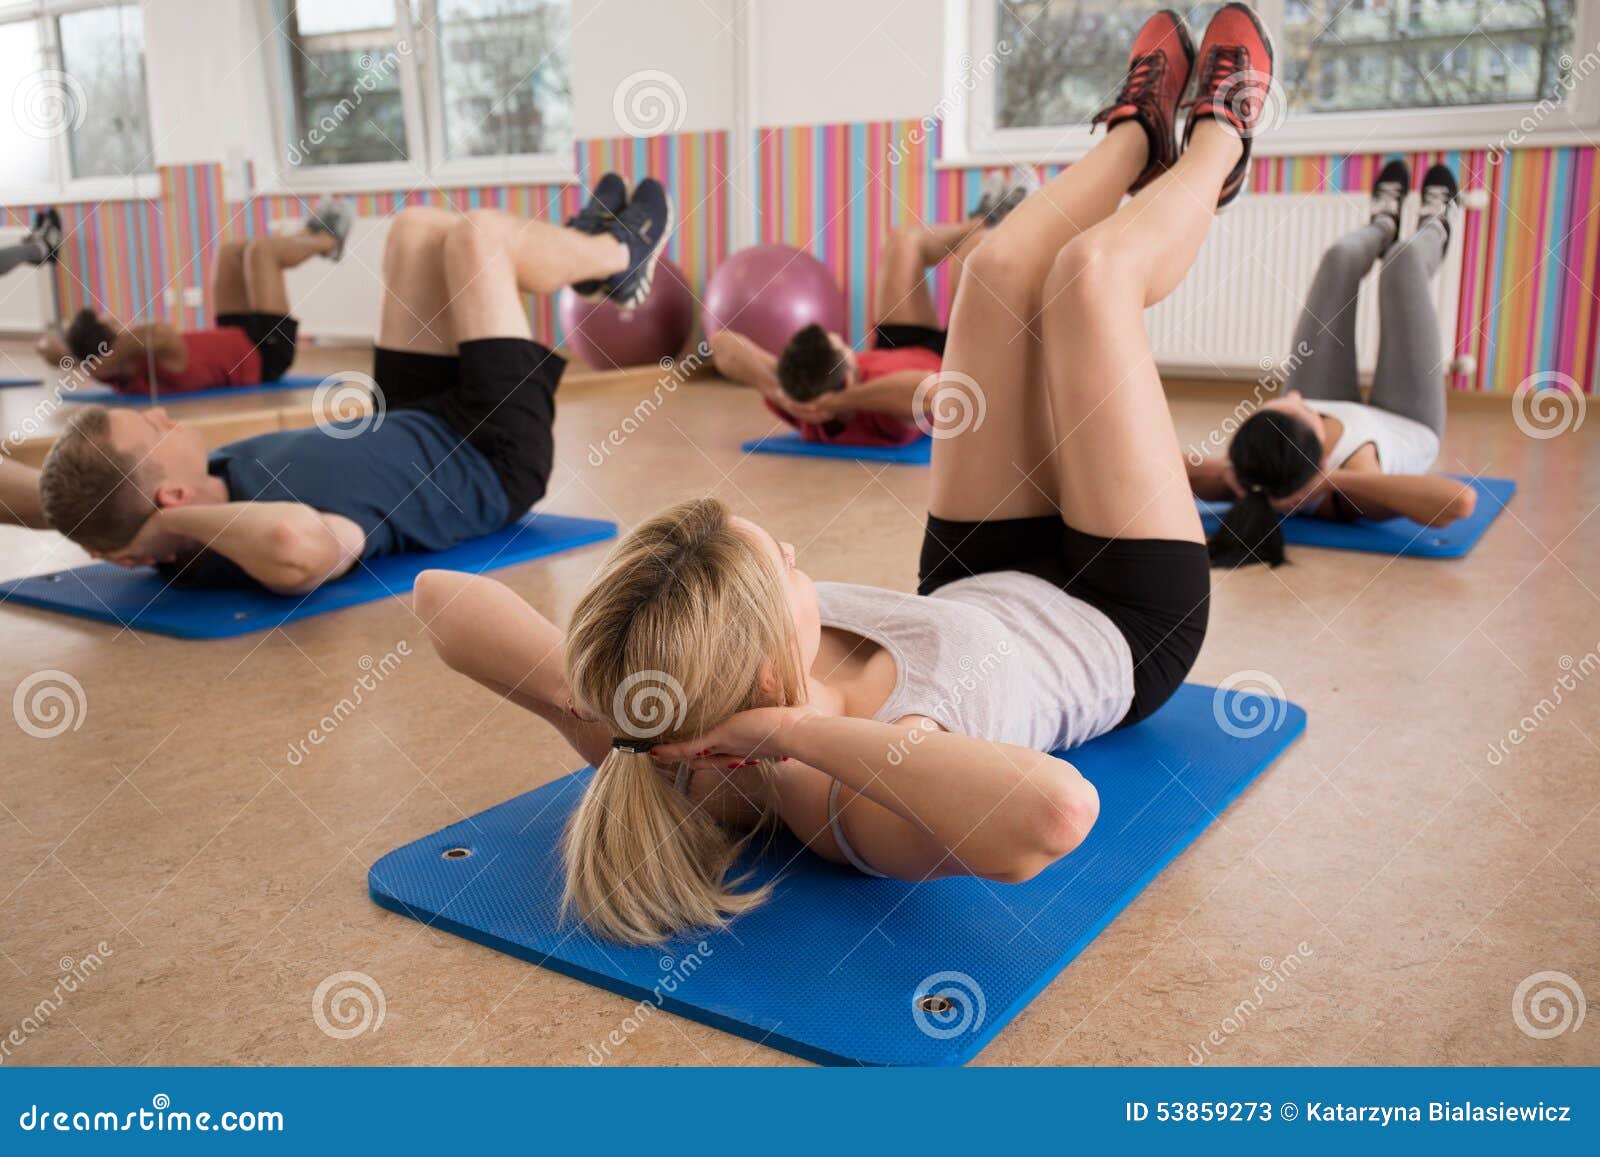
pixel 1212 479
pixel 19 496
pixel 931 803
pixel 1431 499
pixel 488 633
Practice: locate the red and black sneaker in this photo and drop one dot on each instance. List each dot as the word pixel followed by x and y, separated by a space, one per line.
pixel 1158 73
pixel 1234 83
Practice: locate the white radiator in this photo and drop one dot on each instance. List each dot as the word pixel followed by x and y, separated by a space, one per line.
pixel 339 302
pixel 1235 312
pixel 27 299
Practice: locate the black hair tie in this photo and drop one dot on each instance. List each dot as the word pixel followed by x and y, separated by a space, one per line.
pixel 637 746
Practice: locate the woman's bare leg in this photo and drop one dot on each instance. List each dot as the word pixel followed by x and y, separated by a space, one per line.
pixel 901 295
pixel 491 258
pixel 1005 466
pixel 958 258
pixel 266 258
pixel 1119 463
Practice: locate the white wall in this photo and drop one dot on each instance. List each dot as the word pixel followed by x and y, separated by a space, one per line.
pixel 826 61
pixel 200 65
pixel 690 41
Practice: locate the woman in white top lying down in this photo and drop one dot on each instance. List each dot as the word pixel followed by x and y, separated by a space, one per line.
pixel 1320 449
pixel 1064 587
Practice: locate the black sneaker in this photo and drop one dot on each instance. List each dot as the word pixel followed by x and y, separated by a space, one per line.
pixel 606 202
pixel 991 193
pixel 47 231
pixel 644 226
pixel 1023 183
pixel 1389 193
pixel 1439 193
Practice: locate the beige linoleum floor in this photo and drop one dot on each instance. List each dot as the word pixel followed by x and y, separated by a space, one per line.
pixel 1415 880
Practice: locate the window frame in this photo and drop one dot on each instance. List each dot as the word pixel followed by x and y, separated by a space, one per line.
pixel 970 138
pixel 64 188
pixel 422 99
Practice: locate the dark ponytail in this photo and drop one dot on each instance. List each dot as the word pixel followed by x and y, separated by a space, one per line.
pixel 1273 455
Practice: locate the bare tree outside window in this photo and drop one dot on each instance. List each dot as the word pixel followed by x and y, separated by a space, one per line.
pixel 1351 55
pixel 102 49
pixel 1068 56
pixel 346 105
pixel 503 76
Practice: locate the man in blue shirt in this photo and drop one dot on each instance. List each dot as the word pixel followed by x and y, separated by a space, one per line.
pixel 458 445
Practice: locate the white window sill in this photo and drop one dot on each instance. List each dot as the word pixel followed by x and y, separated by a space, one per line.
pixel 1442 130
pixel 144 187
pixel 552 170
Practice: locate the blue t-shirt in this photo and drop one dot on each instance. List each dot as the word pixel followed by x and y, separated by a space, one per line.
pixel 408 481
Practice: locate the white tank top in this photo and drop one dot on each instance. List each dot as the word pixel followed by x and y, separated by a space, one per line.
pixel 1404 445
pixel 1002 656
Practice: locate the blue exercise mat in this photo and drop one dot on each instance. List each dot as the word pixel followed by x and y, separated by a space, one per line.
pixel 832 967
pixel 918 453
pixel 112 398
pixel 8 383
pixel 1397 535
pixel 143 600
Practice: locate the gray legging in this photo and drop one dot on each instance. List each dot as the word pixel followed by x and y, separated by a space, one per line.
pixel 1409 379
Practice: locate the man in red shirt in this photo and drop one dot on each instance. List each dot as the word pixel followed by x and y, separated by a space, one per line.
pixel 253 340
pixel 832 393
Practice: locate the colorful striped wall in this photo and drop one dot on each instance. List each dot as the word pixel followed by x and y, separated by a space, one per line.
pixel 837 190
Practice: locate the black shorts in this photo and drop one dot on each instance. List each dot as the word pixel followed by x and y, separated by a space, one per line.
pixel 499 395
pixel 895 336
pixel 273 334
pixel 1156 590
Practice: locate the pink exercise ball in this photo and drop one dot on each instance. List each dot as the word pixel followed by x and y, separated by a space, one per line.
pixel 768 293
pixel 608 337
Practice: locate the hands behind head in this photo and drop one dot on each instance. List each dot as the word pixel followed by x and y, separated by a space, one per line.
pixel 1308 497
pixel 823 408
pixel 154 544
pixel 738 741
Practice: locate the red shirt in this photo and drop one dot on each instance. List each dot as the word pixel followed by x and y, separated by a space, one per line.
pixel 217 357
pixel 867 427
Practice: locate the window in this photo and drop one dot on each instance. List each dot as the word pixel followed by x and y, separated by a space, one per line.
pixel 75 87
pixel 1446 73
pixel 1343 57
pixel 422 91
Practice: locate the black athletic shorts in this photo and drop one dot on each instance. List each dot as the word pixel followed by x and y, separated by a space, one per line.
pixel 273 334
pixel 895 336
pixel 499 395
pixel 1156 590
